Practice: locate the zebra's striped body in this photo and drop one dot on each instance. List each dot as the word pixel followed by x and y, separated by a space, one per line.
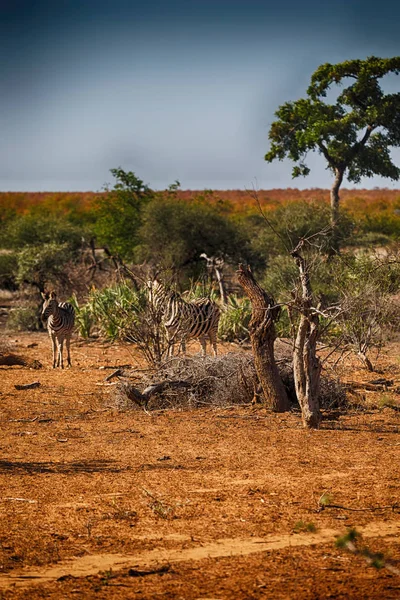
pixel 60 324
pixel 186 320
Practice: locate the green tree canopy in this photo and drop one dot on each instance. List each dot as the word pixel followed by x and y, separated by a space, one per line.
pixel 119 213
pixel 175 232
pixel 354 133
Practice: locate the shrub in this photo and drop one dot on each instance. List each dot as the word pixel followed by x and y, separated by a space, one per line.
pixel 26 318
pixel 8 270
pixel 235 319
pixel 118 213
pixel 36 229
pixel 44 264
pixel 84 318
pixel 121 313
pixel 114 308
pixel 293 221
pixel 175 233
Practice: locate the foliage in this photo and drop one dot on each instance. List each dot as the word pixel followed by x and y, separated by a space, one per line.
pixel 84 318
pixel 114 308
pixel 353 542
pixel 44 264
pixel 235 319
pixel 281 229
pixel 33 229
pixel 365 286
pixel 304 527
pixel 384 223
pixel 175 233
pixel 8 269
pixel 334 129
pixel 354 133
pixel 121 313
pixel 24 318
pixel 118 213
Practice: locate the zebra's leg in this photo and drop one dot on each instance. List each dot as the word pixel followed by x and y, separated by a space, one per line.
pixel 203 346
pixel 55 349
pixel 60 362
pixel 170 351
pixel 213 341
pixel 68 344
pixel 183 346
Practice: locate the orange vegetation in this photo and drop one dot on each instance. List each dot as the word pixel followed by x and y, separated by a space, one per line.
pixel 356 201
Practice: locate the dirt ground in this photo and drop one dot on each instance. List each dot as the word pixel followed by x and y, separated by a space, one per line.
pixel 201 504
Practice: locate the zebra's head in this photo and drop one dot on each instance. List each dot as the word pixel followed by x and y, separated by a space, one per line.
pixel 49 305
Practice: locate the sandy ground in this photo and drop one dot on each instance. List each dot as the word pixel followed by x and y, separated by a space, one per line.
pixel 211 503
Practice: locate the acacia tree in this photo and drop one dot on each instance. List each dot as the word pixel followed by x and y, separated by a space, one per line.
pixel 354 133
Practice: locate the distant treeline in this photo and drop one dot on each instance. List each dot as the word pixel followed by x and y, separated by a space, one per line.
pixel 356 202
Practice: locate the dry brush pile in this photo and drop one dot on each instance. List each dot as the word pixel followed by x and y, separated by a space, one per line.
pixel 196 382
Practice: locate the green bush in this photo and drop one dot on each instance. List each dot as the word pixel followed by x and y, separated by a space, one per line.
pixel 24 319
pixel 115 309
pixel 36 229
pixel 291 222
pixel 44 264
pixel 386 223
pixel 174 234
pixel 120 312
pixel 118 214
pixel 8 269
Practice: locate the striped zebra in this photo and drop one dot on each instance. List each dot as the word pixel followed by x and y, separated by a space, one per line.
pixel 185 320
pixel 60 323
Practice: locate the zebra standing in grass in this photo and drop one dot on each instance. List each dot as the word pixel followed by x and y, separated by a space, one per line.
pixel 60 323
pixel 185 320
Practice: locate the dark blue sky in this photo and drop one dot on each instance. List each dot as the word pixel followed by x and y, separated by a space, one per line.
pixel 171 90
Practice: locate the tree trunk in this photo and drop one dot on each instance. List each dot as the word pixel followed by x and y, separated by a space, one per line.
pixel 365 360
pixel 306 364
pixel 335 209
pixel 262 335
pixel 222 287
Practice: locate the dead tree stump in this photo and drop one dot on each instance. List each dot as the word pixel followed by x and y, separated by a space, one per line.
pixel 263 335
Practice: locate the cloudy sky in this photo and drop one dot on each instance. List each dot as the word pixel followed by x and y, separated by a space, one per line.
pixel 179 89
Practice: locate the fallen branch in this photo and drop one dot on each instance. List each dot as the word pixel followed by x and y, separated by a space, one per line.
pixel 113 374
pixel 372 508
pixel 380 385
pixel 142 398
pixel 137 573
pixel 27 386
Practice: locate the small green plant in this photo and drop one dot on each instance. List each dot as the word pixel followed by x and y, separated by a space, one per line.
pixel 303 527
pixel 325 499
pixel 352 541
pixel 84 318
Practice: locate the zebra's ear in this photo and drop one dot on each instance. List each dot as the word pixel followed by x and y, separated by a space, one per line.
pixel 43 294
pixel 53 295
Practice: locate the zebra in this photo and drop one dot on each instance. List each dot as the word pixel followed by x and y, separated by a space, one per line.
pixel 60 323
pixel 185 320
